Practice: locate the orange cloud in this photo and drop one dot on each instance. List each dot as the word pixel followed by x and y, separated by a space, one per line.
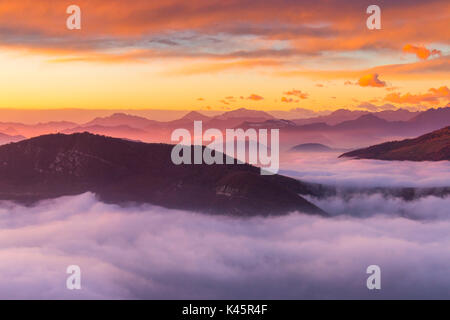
pixel 255 97
pixel 420 51
pixel 319 26
pixel 432 96
pixel 297 93
pixel 371 80
pixel 288 100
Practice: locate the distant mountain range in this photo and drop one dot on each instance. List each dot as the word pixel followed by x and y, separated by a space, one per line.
pixel 364 130
pixel 32 130
pixel 244 113
pixel 435 118
pixel 340 129
pixel 122 119
pixel 6 138
pixel 121 171
pixel 434 146
pixel 342 115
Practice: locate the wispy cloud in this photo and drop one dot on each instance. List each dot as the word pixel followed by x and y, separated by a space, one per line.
pixel 434 95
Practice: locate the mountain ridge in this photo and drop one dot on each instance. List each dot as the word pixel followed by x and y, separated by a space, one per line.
pixel 121 171
pixel 433 146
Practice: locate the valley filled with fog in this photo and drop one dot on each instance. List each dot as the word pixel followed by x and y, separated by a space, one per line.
pixel 156 253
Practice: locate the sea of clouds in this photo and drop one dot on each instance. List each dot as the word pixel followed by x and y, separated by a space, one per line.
pixel 149 252
pixel 328 168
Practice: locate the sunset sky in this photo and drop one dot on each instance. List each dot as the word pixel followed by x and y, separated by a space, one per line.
pixel 224 54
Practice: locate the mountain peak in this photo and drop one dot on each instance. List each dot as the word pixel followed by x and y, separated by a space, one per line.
pixel 370 117
pixel 245 113
pixel 120 118
pixel 195 115
pixel 346 112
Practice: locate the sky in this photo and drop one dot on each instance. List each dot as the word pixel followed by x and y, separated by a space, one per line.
pixel 221 55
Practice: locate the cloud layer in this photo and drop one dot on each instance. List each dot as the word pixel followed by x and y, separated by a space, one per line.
pixel 240 29
pixel 327 168
pixel 154 253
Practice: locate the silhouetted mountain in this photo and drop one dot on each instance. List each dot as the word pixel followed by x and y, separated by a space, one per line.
pixel 431 119
pixel 371 124
pixel 32 130
pixel 244 113
pixel 342 115
pixel 122 119
pixel 187 121
pixel 374 108
pixel 10 131
pixel 311 147
pixel 120 131
pixel 334 118
pixel 121 171
pixel 6 138
pixel 396 115
pixel 343 128
pixel 196 116
pixel 434 146
pixel 236 118
pixel 269 124
pixel 363 123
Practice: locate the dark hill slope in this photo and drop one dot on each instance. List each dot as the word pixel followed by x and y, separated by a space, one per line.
pixel 121 171
pixel 434 146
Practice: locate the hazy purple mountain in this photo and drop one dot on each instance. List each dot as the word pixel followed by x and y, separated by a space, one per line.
pixel 269 124
pixel 244 113
pixel 368 121
pixel 118 131
pixel 195 116
pixel 6 138
pixel 335 117
pixel 397 115
pixel 313 147
pixel 122 119
pixel 432 119
pixel 31 130
pixel 188 120
pixel 342 128
pixel 342 115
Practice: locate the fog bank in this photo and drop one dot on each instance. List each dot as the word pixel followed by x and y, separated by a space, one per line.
pixel 154 253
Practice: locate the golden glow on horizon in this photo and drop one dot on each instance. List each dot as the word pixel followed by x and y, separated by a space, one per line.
pixel 34 82
pixel 148 62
